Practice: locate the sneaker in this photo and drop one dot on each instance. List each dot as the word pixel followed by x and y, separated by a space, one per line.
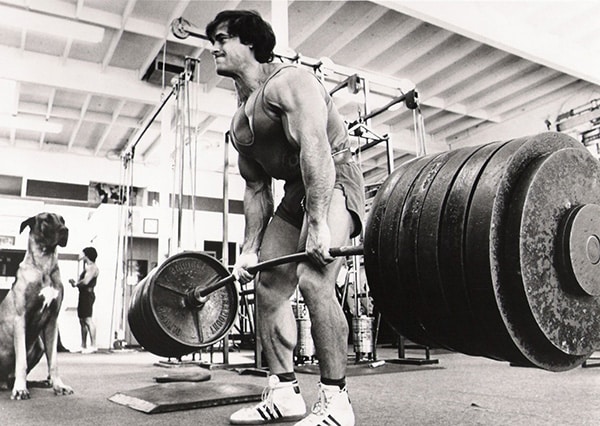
pixel 89 350
pixel 332 408
pixel 281 402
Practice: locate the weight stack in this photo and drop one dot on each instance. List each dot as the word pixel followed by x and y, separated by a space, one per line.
pixel 492 251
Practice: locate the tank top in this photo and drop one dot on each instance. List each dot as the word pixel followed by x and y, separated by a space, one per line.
pixel 90 287
pixel 265 141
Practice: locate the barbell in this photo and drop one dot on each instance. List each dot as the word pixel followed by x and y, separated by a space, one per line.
pixel 490 251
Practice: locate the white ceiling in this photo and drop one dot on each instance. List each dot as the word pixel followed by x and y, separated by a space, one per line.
pixel 475 64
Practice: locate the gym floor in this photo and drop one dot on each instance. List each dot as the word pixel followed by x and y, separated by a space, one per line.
pixel 459 390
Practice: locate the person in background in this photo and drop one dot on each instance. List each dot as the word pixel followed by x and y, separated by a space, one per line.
pixel 287 127
pixel 86 285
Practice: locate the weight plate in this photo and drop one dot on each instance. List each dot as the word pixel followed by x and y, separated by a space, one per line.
pixel 399 256
pixel 372 238
pixel 478 263
pixel 452 266
pixel 424 308
pixel 540 300
pixel 429 252
pixel 165 324
pixel 494 214
pixel 379 242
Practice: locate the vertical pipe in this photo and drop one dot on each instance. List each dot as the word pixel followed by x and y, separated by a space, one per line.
pixel 181 160
pixel 390 154
pixel 279 21
pixel 225 246
pixel 225 249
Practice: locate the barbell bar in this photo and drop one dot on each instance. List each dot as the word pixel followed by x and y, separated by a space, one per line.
pixel 198 295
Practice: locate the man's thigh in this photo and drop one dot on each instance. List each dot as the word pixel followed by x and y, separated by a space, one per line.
pixel 280 239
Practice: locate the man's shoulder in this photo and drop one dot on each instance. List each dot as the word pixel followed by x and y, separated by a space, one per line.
pixel 287 72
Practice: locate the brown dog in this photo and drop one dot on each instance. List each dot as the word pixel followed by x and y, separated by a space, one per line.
pixel 29 312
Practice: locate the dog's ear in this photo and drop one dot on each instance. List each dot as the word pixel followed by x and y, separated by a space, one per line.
pixel 29 222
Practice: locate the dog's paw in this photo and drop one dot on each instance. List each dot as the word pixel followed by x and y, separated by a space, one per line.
pixel 61 389
pixel 18 394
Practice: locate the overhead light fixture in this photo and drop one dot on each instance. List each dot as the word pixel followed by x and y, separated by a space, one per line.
pixel 31 123
pixel 47 24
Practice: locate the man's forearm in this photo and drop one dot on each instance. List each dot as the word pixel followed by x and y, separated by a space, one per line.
pixel 318 173
pixel 258 209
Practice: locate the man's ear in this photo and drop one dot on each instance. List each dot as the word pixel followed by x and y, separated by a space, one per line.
pixel 29 222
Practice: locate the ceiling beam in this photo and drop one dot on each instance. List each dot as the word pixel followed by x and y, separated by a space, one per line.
pixel 80 76
pixel 500 26
pixel 48 112
pixel 180 7
pixel 117 35
pixel 108 128
pixel 353 31
pixel 86 104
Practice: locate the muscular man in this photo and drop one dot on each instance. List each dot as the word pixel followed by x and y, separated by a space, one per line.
pixel 85 285
pixel 286 127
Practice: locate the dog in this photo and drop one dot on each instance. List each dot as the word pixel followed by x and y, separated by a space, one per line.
pixel 29 312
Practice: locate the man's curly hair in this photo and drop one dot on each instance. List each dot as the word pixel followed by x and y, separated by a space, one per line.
pixel 252 30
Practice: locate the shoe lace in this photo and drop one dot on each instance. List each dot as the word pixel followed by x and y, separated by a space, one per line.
pixel 267 394
pixel 320 406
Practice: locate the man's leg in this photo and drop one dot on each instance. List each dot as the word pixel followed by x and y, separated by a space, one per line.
pixel 329 327
pixel 276 322
pixel 84 333
pixel 91 329
pixel 276 327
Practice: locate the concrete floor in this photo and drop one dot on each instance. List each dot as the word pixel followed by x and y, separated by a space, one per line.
pixel 464 391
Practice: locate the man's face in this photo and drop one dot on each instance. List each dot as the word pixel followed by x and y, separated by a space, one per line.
pixel 231 56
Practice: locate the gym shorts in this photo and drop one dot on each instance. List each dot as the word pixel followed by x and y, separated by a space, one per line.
pixel 348 178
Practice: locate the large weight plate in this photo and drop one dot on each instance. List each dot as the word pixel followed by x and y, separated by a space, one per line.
pixel 538 302
pixel 424 308
pixel 451 332
pixel 478 240
pixel 398 257
pixel 380 259
pixel 373 228
pixel 165 324
pixel 452 246
pixel 486 244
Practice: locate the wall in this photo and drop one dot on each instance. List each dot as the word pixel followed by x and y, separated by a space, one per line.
pixel 100 226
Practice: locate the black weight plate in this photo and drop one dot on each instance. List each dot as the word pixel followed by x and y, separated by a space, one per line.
pixel 372 238
pixel 477 259
pixel 399 257
pixel 555 327
pixel 145 327
pixel 424 308
pixel 162 321
pixel 486 230
pixel 452 266
pixel 379 243
pixel 429 251
pixel 190 326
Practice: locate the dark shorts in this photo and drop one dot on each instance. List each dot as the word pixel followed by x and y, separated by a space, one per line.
pixel 86 304
pixel 348 178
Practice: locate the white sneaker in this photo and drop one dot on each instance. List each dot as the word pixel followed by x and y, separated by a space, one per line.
pixel 332 408
pixel 281 402
pixel 89 350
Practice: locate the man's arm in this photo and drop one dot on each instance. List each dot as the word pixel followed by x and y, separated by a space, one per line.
pixel 91 271
pixel 258 203
pixel 299 97
pixel 258 209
